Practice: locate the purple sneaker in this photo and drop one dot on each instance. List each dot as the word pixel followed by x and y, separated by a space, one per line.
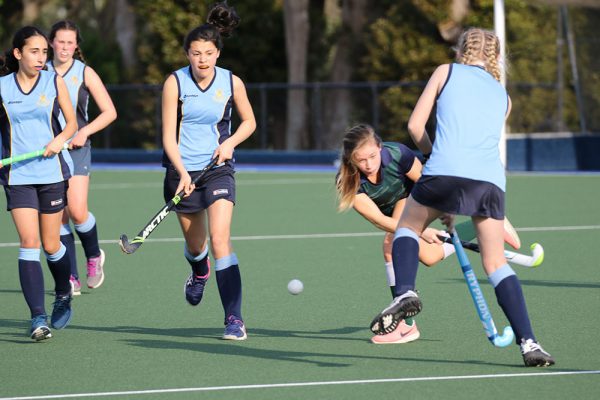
pixel 194 287
pixel 234 329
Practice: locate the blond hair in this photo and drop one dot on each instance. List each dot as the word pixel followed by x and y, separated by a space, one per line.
pixel 480 45
pixel 348 178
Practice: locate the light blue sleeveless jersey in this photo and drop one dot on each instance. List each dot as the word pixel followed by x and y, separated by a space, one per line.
pixel 28 122
pixel 471 109
pixel 203 117
pixel 78 92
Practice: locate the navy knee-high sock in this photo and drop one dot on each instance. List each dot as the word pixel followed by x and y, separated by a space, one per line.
pixel 61 270
pixel 229 282
pixel 32 280
pixel 511 300
pixel 198 263
pixel 68 239
pixel 88 234
pixel 405 256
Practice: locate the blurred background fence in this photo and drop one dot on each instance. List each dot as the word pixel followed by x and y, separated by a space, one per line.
pixel 139 108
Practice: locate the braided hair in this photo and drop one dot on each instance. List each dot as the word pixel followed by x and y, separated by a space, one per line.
pixel 477 45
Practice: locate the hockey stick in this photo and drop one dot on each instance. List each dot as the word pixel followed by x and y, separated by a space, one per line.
pixel 130 247
pixel 533 261
pixel 480 304
pixel 26 156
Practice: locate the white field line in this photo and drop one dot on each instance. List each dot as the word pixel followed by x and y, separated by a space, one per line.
pixel 248 182
pixel 333 235
pixel 304 384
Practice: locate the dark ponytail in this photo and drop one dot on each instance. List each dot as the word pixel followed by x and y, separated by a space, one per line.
pixel 9 63
pixel 222 19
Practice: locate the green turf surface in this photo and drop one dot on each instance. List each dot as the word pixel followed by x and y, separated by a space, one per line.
pixel 136 333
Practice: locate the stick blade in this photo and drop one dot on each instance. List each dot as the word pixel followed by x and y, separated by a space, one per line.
pixel 126 247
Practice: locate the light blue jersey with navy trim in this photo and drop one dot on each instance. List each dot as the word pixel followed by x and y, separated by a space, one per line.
pixel 203 117
pixel 78 92
pixel 28 122
pixel 471 109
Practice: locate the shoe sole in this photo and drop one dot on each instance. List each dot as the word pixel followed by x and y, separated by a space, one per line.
pixel 41 333
pixel 102 258
pixel 538 362
pixel 387 321
pixel 233 337
pixel 403 339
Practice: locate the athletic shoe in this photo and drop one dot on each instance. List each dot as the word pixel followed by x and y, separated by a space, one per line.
pixel 234 329
pixel 534 355
pixel 95 271
pixel 194 288
pixel 75 286
pixel 39 328
pixel 403 334
pixel 406 305
pixel 61 313
pixel 510 235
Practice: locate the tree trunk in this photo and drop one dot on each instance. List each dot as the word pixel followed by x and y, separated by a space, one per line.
pixel 338 102
pixel 297 28
pixel 126 32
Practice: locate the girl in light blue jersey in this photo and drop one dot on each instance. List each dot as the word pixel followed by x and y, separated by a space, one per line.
pixel 196 110
pixel 36 189
pixel 463 176
pixel 81 80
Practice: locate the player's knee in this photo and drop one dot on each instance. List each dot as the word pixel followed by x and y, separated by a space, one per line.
pixel 30 243
pixel 220 243
pixel 79 215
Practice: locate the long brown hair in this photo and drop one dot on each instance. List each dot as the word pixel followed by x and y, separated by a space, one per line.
pixel 476 44
pixel 348 178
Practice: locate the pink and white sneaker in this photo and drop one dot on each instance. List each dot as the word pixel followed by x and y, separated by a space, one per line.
pixel 75 286
pixel 95 271
pixel 404 333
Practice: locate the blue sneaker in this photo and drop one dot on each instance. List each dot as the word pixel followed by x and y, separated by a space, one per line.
pixel 39 328
pixel 61 313
pixel 194 288
pixel 234 329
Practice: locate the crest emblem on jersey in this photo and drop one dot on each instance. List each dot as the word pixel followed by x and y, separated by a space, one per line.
pixel 74 80
pixel 219 97
pixel 43 101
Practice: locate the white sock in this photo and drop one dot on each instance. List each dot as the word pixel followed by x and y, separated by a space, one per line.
pixel 389 272
pixel 448 250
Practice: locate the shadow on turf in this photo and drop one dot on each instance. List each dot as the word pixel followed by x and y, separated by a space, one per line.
pixel 242 349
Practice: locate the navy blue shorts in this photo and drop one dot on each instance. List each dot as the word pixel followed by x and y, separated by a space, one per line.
pixel 218 183
pixel 82 160
pixel 46 198
pixel 460 196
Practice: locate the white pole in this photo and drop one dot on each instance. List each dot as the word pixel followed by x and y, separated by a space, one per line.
pixel 499 28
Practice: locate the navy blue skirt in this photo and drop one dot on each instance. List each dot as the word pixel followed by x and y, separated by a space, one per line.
pixel 460 196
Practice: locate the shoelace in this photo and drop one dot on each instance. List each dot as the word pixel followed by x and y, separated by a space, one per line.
pixel 92 265
pixel 61 303
pixel 529 345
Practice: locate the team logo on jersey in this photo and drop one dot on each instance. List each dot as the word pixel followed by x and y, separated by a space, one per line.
pixel 43 101
pixel 74 80
pixel 219 96
pixel 220 191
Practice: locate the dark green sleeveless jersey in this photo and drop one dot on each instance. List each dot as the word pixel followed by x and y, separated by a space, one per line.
pixel 396 161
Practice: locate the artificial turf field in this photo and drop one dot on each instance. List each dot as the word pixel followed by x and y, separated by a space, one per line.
pixel 135 337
